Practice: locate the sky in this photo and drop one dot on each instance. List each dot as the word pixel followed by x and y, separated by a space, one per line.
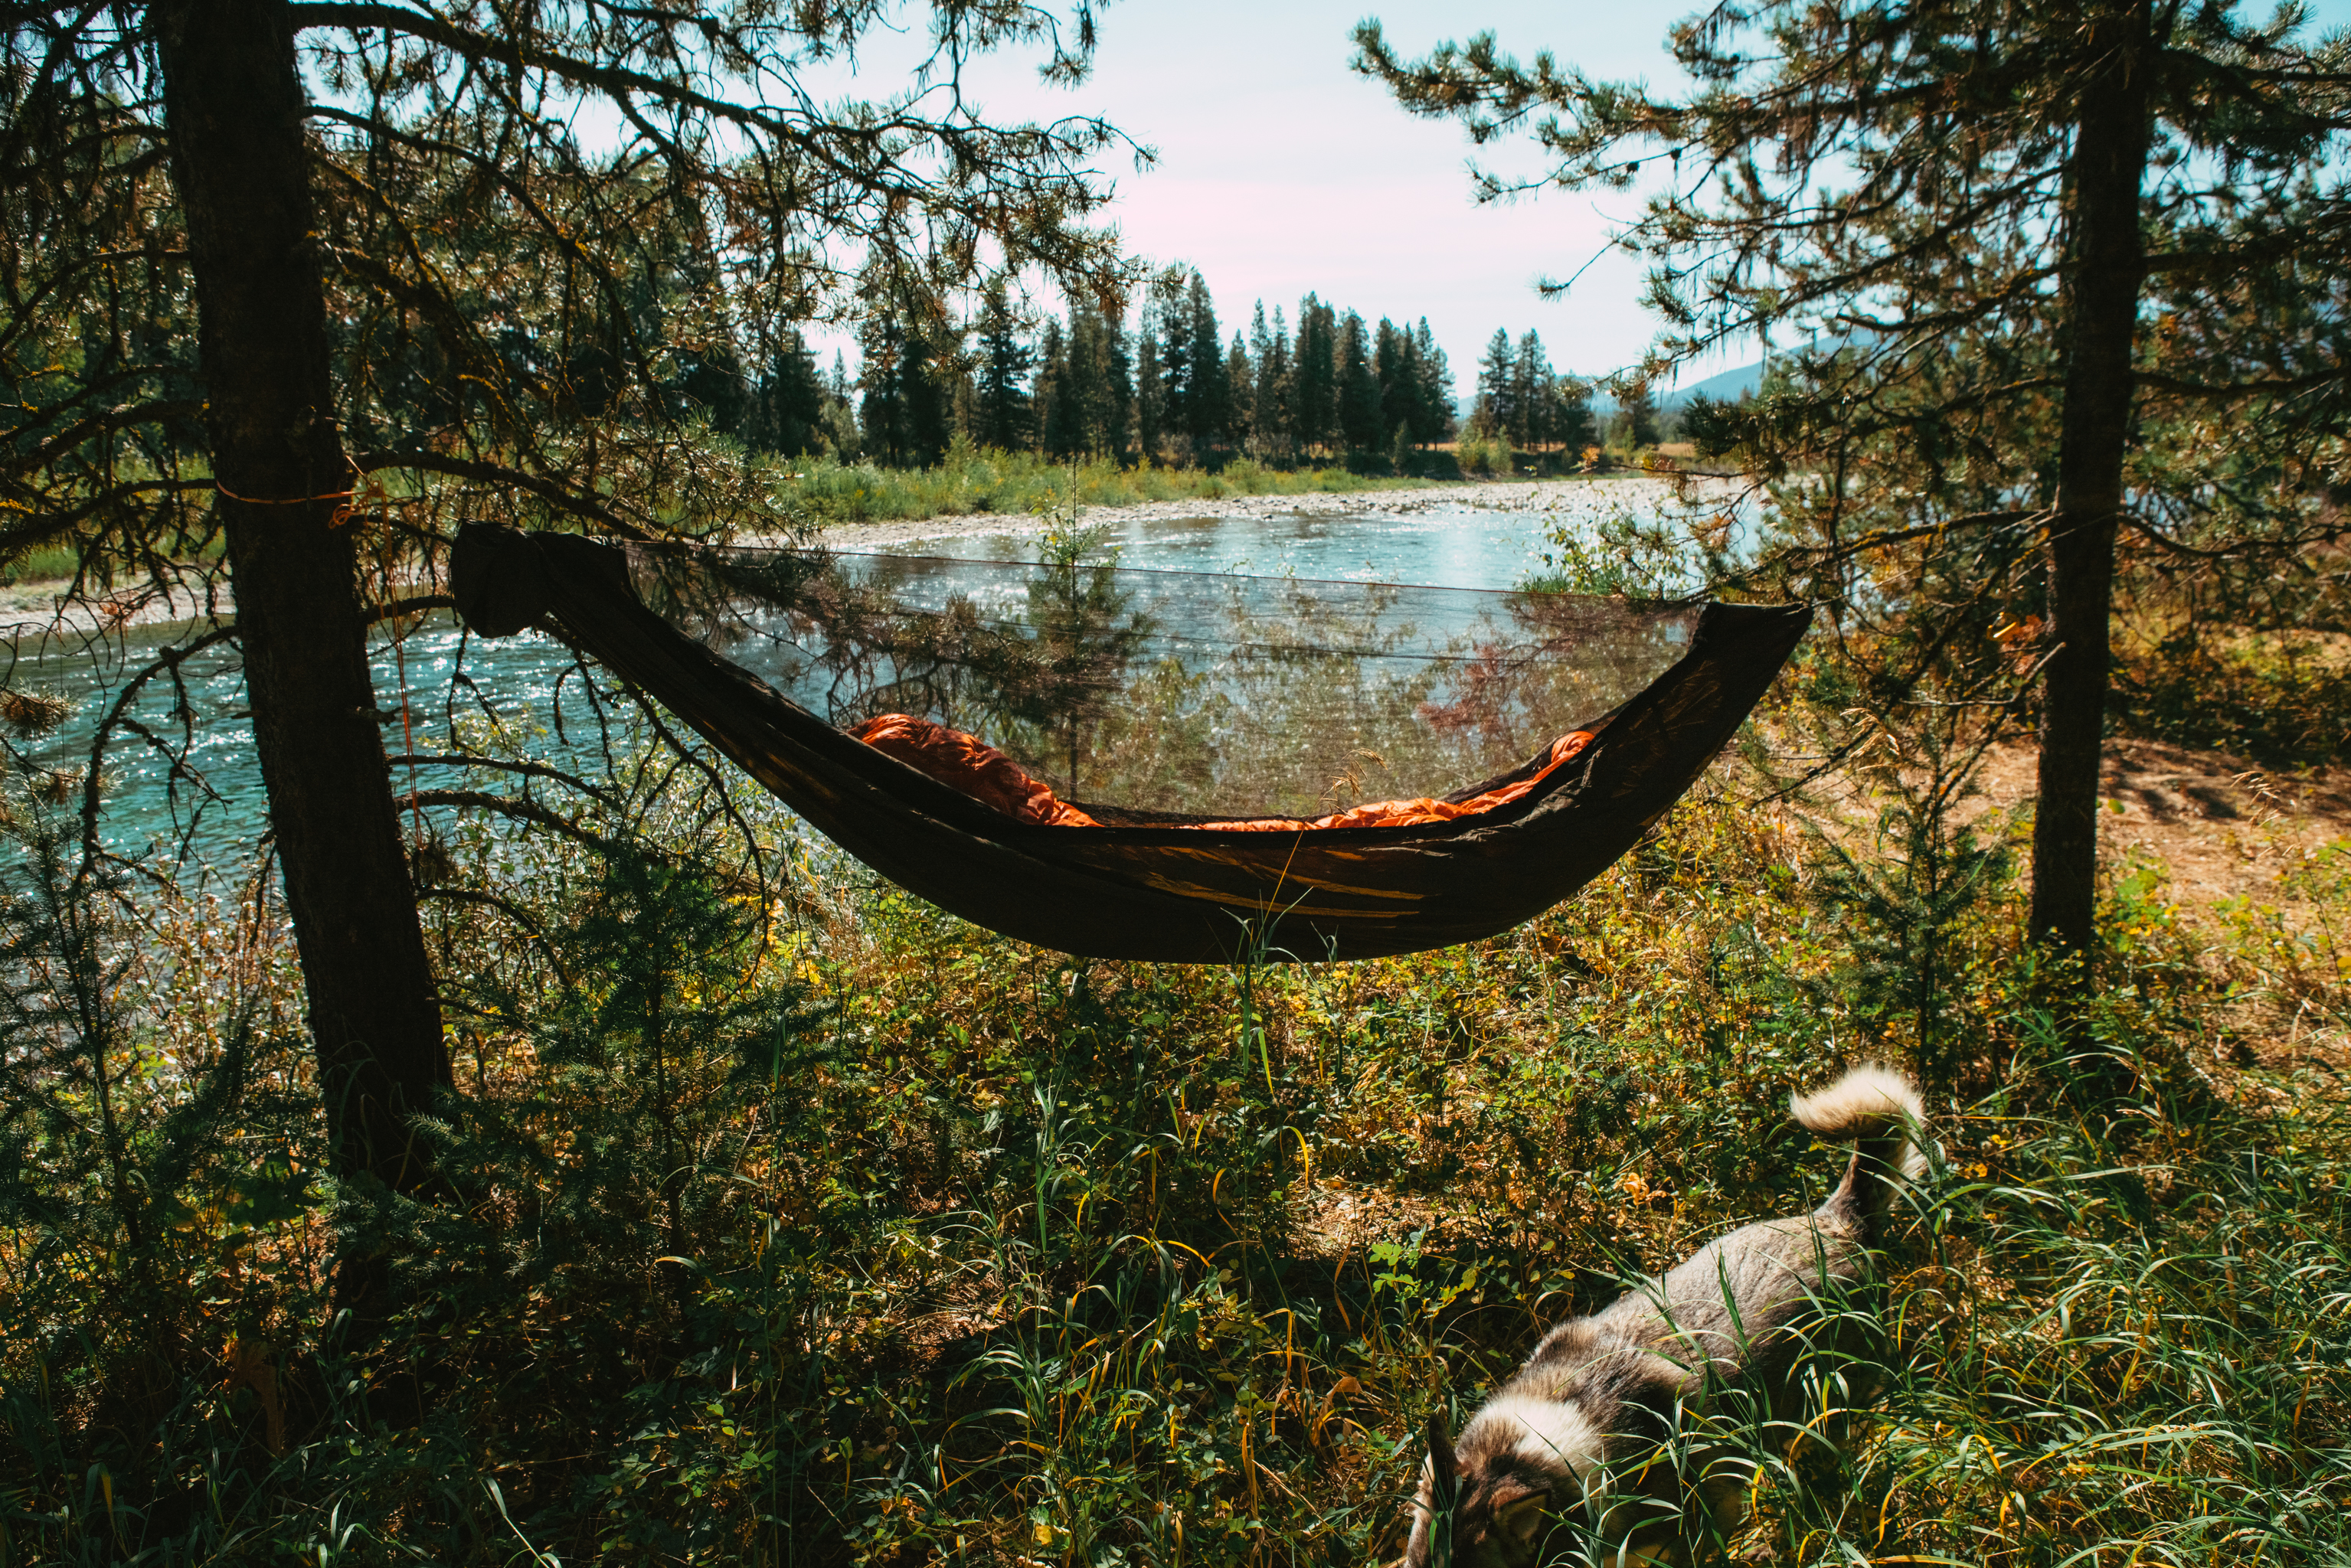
pixel 1281 171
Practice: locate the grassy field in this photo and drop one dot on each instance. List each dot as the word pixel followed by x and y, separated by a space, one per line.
pixel 829 1229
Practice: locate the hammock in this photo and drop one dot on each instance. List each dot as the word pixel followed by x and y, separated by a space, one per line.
pixel 1120 881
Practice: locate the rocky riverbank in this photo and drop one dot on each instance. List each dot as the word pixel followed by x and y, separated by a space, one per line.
pixel 1488 495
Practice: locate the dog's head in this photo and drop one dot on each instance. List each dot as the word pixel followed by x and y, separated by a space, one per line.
pixel 1489 1499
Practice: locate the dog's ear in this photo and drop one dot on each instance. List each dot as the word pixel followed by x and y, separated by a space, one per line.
pixel 1518 1513
pixel 1431 1545
pixel 1444 1468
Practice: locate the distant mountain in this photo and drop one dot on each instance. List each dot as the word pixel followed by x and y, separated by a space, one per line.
pixel 1727 387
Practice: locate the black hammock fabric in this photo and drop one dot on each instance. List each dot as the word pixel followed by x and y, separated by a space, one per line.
pixel 1143 883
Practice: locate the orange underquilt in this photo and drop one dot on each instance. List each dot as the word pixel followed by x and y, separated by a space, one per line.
pixel 965 763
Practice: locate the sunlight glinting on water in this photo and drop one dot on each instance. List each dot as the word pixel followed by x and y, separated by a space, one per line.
pixel 209 803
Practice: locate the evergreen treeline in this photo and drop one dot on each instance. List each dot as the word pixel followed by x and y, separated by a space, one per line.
pixel 1173 387
pixel 1522 400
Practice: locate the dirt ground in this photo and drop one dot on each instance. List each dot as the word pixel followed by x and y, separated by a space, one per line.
pixel 2221 830
pixel 2222 827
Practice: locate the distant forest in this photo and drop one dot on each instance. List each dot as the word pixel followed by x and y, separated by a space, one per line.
pixel 1172 388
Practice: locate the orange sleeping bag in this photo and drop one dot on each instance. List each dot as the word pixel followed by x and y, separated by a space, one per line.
pixel 969 765
pixel 1415 813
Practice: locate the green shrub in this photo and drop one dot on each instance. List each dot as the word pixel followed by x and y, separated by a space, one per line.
pixel 2280 697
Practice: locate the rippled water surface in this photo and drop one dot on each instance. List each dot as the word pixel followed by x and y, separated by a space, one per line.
pixel 209 800
pixel 1450 547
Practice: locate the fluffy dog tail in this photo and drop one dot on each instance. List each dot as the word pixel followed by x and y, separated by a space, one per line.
pixel 1880 1112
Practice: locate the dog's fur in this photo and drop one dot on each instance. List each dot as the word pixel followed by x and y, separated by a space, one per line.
pixel 1601 1394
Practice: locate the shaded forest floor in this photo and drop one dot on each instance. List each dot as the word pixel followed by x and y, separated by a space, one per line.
pixel 2221 829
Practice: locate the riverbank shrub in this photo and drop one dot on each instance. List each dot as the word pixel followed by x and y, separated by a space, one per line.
pixel 809 1225
pixel 1483 455
pixel 982 480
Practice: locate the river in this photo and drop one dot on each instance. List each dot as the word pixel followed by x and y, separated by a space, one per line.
pixel 189 786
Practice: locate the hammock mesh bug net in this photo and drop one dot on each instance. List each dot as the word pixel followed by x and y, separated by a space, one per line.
pixel 1166 764
pixel 1170 692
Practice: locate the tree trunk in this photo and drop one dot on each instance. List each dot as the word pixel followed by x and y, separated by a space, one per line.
pixel 2108 265
pixel 234 106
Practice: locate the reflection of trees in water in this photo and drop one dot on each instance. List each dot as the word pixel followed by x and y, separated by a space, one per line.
pixel 1181 692
pixel 1084 632
pixel 1344 696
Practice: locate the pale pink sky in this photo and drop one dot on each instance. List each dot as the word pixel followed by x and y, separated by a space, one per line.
pixel 1282 170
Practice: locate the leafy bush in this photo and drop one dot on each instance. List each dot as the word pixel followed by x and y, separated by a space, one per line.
pixel 2281 697
pixel 1483 455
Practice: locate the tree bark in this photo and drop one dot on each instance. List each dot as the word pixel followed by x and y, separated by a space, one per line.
pixel 235 106
pixel 2108 267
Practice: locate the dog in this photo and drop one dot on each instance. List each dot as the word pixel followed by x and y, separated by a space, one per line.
pixel 1597 1403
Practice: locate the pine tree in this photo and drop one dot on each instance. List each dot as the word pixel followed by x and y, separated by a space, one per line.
pixel 1361 423
pixel 906 350
pixel 1208 402
pixel 1077 391
pixel 1988 202
pixel 1497 409
pixel 710 385
pixel 1273 432
pixel 1048 409
pixel 1314 375
pixel 1437 411
pixel 1153 390
pixel 1396 365
pixel 1167 366
pixel 1241 395
pixel 789 408
pixel 1636 415
pixel 881 345
pixel 1092 392
pixel 1116 436
pixel 1000 395
pixel 1572 420
pixel 1533 390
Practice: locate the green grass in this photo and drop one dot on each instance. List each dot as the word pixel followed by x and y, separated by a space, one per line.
pixel 834 1231
pixel 57 563
pixel 1016 484
pixel 48 563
